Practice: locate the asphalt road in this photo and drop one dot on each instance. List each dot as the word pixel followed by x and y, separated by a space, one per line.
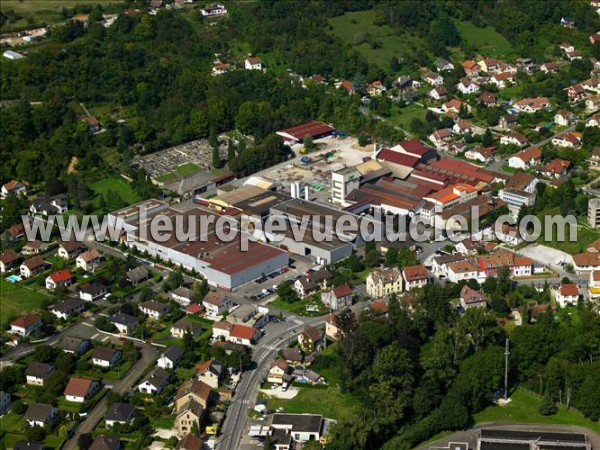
pixel 148 357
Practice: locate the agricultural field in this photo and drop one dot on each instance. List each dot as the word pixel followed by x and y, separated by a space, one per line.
pixel 117 185
pixel 485 41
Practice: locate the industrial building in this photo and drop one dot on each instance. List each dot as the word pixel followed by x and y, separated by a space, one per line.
pixel 499 439
pixel 315 130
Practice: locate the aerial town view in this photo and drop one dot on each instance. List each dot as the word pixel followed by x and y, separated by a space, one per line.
pixel 300 225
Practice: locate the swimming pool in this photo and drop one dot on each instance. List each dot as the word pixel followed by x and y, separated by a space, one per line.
pixel 13 278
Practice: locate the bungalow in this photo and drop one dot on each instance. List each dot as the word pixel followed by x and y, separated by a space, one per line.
pixel 213 10
pixel 302 427
pixel 440 137
pixel 567 295
pixel 532 105
pixel 514 138
pixel 434 79
pixel 170 357
pixel 216 303
pixel 137 275
pixel 73 345
pixel 69 249
pixel 32 266
pixel 454 105
pixel 415 276
pixel 8 260
pixel 92 291
pixel 311 339
pixel 471 68
pixel 13 187
pixel 463 127
pixel 338 298
pixel 467 86
pixel 80 390
pixel 68 308
pixel 508 122
pixel 34 247
pixel 106 442
pixel 183 295
pixel 121 413
pixel 438 93
pixel 253 63
pixel 557 168
pixel 567 140
pixel 105 357
pixel 36 373
pixel 59 278
pixel 470 298
pixel 549 67
pixel 183 326
pixel 154 310
pixel 210 372
pixel 563 118
pixel 502 80
pixel 26 325
pixel 40 414
pixel 565 47
pixel 481 154
pixel 88 260
pixel 526 159
pixel 279 372
pixel 125 323
pixel 384 282
pixel 46 206
pixel 154 382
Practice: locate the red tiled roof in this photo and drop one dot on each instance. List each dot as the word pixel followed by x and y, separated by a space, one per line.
pixel 78 387
pixel 568 290
pixel 532 153
pixel 242 331
pixel 311 128
pixel 414 273
pixel 194 308
pixel 61 275
pixel 379 307
pixel 26 320
pixel 397 158
pixel 342 291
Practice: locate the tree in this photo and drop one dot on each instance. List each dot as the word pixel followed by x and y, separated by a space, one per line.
pixel 287 293
pixel 216 158
pixel 391 257
pixel 146 293
pixel 547 407
pixel 488 138
pixel 363 139
pixel 84 441
pixel 308 142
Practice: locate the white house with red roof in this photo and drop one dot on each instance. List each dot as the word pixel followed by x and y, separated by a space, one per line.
pixel 526 159
pixel 467 86
pixel 236 333
pixel 567 295
pixel 219 69
pixel 88 260
pixel 338 298
pixel 440 137
pixel 438 93
pixel 415 277
pixel 452 195
pixel 79 390
pixel 416 149
pixel 26 325
pixel 59 278
pixel 567 140
pixel 13 187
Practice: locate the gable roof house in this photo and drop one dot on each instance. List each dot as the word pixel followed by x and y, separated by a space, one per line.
pixel 440 137
pixel 121 413
pixel 563 117
pixel 339 297
pixel 26 325
pixel 216 303
pixel 34 247
pixel 467 86
pixel 32 266
pixel 137 275
pixel 193 390
pixel 415 276
pixel 567 295
pixel 154 310
pixel 125 323
pixel 68 308
pixel 434 79
pixel 575 92
pixel 154 382
pixel 36 373
pixel 532 105
pixel 8 260
pixel 384 282
pixel 74 345
pixel 488 98
pixel 471 68
pixel 69 249
pixel 470 298
pixel 481 154
pixel 311 339
pixel 189 442
pixel 526 159
pixel 106 442
pixel 189 416
pixel 549 67
pixel 92 291
pixel 443 65
pixel 183 295
pixel 279 372
pixel 508 122
pixel 13 187
pixel 170 357
pixel 183 326
pixel 105 357
pixel 79 390
pixel 88 260
pixel 253 63
pixel 567 140
pixel 210 372
pixel 40 414
pixel 438 93
pixel 46 206
pixel 59 278
pixel 557 168
pixel 502 80
pixel 463 127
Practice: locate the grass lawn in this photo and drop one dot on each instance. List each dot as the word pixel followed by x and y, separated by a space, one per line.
pixel 352 28
pixel 16 299
pixel 117 185
pixel 585 236
pixel 188 169
pixel 299 307
pixel 403 116
pixel 506 168
pixel 163 422
pixel 167 177
pixel 486 41
pixel 524 409
pixel 12 423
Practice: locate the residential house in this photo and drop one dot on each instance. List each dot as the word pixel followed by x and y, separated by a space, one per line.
pixel 557 168
pixel 384 282
pixel 36 373
pixel 32 266
pixel 183 295
pixel 70 249
pixel 594 160
pixel 292 355
pixel 194 309
pixel 68 308
pixel 189 417
pixel 80 390
pixel 462 270
pixel 5 403
pixel 216 303
pixel 594 38
pixel 59 278
pixel 154 310
pixel 210 372
pixel 40 414
pixel 563 118
pixel 463 127
pixel 219 69
pixel 415 277
pixel 593 121
pixel 438 93
pixel 106 442
pixel 279 372
pixel 488 99
pixel 305 286
pixel 92 291
pixel 213 10
pixel 549 67
pixel 470 298
pixel 592 102
pixel 532 105
pixel 13 187
pixel 565 47
pixel 509 234
pixel 105 357
pixel 189 442
pixel 489 65
pixel 253 63
pixel 8 260
pixel 16 231
pixel 73 345
pixel 586 262
pixel 183 326
pixel 454 105
pixel 121 413
pixel 88 260
pixel 34 247
pixel 434 79
pixel 193 390
pixel 339 297
pixel 137 275
pixel 471 68
pixel 526 159
pixel 46 206
pixel 300 427
pixel 481 154
pixel 467 86
pixel 574 55
pixel 311 339
pixel 154 382
pixel 376 88
pixel 456 147
pixel 170 357
pixel 26 325
pixel 443 65
pixel 508 122
pixel 440 137
pixel 253 315
pixel 567 140
pixel 567 295
pixel 502 80
pixel 514 138
pixel 331 326
pixel 125 323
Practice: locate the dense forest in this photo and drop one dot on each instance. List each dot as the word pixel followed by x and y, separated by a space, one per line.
pixel 423 369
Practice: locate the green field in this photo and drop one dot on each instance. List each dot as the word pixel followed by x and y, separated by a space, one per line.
pixel 188 169
pixel 166 178
pixel 118 185
pixel 16 299
pixel 403 116
pixel 486 41
pixel 353 28
pixel 299 307
pixel 585 236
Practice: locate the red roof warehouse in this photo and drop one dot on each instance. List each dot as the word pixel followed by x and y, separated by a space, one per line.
pixel 315 130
